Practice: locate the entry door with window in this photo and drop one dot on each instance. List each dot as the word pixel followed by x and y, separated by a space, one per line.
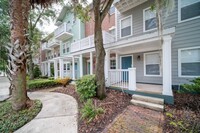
pixel 126 62
pixel 88 67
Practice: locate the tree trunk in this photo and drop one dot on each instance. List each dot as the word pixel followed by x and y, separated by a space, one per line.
pixel 19 11
pixel 100 55
pixel 31 66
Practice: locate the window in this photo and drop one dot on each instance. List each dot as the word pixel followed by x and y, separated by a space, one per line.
pixel 126 26
pixel 189 9
pixel 113 64
pixel 68 66
pixel 66 48
pixel 112 10
pixel 189 62
pixel 152 64
pixel 65 67
pixel 149 19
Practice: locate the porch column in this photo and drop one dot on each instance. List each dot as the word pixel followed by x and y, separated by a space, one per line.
pixel 49 69
pixel 117 60
pixel 107 64
pixel 81 65
pixel 61 68
pixel 166 64
pixel 73 67
pixel 91 63
pixel 55 69
pixel 45 68
pixel 132 79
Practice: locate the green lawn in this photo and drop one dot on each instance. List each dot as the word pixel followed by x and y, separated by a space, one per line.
pixel 11 120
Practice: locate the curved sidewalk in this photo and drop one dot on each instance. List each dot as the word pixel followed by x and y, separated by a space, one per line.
pixel 58 115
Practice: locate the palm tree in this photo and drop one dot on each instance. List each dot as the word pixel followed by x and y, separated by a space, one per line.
pixel 18 49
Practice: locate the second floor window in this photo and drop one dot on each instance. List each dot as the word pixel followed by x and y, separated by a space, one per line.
pixel 149 19
pixel 126 26
pixel 189 9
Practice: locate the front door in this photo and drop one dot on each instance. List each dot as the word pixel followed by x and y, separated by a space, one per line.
pixel 126 62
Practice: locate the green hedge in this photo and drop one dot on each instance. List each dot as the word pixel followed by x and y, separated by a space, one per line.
pixel 41 83
pixel 192 88
pixel 86 87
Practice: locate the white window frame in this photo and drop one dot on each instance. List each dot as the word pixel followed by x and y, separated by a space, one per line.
pixel 160 65
pixel 144 30
pixel 179 62
pixel 66 45
pixel 113 59
pixel 179 14
pixel 130 16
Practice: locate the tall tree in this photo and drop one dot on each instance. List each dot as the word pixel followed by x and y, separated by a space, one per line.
pixel 18 48
pixel 37 16
pixel 101 8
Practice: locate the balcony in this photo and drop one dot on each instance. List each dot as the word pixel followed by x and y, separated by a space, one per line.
pixel 125 5
pixel 45 46
pixel 88 42
pixel 53 43
pixel 63 32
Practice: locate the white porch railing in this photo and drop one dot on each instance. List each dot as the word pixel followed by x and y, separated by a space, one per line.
pixel 88 42
pixel 61 29
pixel 122 78
pixel 67 73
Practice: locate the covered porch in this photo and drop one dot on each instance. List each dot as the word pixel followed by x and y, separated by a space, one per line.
pixel 143 66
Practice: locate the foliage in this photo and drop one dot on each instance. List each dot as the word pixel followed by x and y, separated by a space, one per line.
pixel 51 78
pixel 44 77
pixel 36 72
pixel 86 87
pixel 52 71
pixel 11 120
pixel 194 87
pixel 89 111
pixel 41 83
pixel 188 122
pixel 63 81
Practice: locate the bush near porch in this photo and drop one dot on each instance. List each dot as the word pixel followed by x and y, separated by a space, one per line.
pixel 192 88
pixel 86 87
pixel 40 84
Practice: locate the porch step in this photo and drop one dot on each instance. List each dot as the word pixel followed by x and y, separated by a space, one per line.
pixel 148 99
pixel 148 105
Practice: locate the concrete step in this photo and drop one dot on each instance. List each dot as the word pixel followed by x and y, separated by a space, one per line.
pixel 148 105
pixel 148 99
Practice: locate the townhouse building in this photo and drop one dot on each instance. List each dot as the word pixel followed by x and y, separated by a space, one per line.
pixel 136 61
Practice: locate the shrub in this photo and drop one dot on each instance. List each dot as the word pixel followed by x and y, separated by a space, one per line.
pixel 89 111
pixel 187 122
pixel 40 83
pixel 63 81
pixel 44 77
pixel 51 78
pixel 194 87
pixel 36 72
pixel 86 87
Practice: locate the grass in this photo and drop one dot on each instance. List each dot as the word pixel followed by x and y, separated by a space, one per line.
pixel 11 120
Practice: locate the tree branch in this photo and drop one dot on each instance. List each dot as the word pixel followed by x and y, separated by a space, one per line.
pixel 106 9
pixel 38 18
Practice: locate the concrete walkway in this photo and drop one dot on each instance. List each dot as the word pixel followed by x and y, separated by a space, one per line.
pixel 58 115
pixel 136 120
pixel 4 88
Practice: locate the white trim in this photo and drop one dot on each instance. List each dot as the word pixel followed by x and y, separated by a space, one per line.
pixel 144 30
pixel 179 62
pixel 157 52
pixel 179 14
pixel 130 16
pixel 126 56
pixel 116 23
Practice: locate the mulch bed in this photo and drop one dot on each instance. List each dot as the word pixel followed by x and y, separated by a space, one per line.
pixel 186 110
pixel 113 104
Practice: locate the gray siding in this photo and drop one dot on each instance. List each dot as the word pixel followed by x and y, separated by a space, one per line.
pixel 187 34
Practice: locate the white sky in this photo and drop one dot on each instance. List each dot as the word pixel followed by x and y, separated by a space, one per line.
pixel 50 27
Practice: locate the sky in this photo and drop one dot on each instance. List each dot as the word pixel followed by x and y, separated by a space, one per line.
pixel 50 27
